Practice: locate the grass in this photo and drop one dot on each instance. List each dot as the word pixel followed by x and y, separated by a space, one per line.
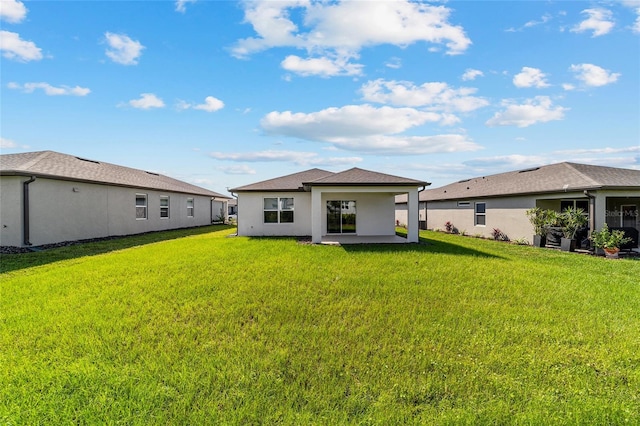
pixel 193 327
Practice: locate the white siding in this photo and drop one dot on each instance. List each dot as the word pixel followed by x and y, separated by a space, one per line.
pixel 506 214
pixel 374 211
pixel 251 215
pixel 68 211
pixel 11 211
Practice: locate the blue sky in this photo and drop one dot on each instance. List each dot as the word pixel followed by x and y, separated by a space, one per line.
pixel 222 93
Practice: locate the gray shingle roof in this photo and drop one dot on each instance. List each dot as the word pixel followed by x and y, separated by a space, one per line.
pixel 50 164
pixel 316 177
pixel 292 182
pixel 544 179
pixel 356 176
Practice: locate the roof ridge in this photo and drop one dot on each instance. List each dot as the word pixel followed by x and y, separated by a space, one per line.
pixel 589 178
pixel 35 160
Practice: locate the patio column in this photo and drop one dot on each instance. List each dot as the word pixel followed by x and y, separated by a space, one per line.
pixel 412 216
pixel 316 215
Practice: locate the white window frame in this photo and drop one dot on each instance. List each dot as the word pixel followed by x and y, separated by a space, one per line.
pixel 166 208
pixel 191 207
pixel 476 214
pixel 281 208
pixel 144 206
pixel 464 204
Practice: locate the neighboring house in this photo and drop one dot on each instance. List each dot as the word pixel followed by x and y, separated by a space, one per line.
pixel 47 197
pixel 480 204
pixel 355 205
pixel 232 208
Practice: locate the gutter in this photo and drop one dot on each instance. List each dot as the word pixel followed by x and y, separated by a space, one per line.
pixel 237 214
pixel 25 211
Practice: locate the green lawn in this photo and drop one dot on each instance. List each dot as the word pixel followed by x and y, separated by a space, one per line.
pixel 194 327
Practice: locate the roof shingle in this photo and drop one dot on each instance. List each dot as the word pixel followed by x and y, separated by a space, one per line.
pixel 552 178
pixel 313 177
pixel 52 164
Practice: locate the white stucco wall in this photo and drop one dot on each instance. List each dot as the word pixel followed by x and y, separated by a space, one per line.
pixel 506 214
pixel 68 211
pixel 375 212
pixel 251 215
pixel 11 211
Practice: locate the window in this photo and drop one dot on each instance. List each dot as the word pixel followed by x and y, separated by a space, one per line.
pixel 141 206
pixel 481 215
pixel 574 204
pixel 278 210
pixel 464 203
pixel 164 207
pixel 189 207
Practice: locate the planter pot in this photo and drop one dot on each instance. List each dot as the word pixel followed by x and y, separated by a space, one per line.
pixel 539 240
pixel 554 234
pixel 611 253
pixel 567 244
pixel 599 251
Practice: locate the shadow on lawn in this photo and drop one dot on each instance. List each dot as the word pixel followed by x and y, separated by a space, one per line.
pixel 425 245
pixel 76 249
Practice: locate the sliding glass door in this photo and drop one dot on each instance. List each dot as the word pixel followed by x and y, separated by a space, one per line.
pixel 341 217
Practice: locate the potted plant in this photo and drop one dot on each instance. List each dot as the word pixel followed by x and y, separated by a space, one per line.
pixel 572 220
pixel 609 241
pixel 541 220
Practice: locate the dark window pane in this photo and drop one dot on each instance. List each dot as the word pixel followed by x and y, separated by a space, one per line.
pixel 480 207
pixel 286 216
pixel 481 220
pixel 270 217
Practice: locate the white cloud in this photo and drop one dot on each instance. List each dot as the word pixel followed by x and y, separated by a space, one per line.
pixel 394 63
pixel 366 129
pixel 297 157
pixel 436 96
pixel 600 151
pixel 530 77
pixel 568 86
pixel 533 23
pixel 50 90
pixel 323 67
pixel 241 169
pixel 210 104
pixel 12 11
pixel 147 101
pixel 13 47
pixel 509 162
pixel 335 32
pixel 7 143
pixel 593 75
pixel 543 20
pixel 600 21
pixel 122 49
pixel 181 5
pixel 533 111
pixel 350 121
pixel 471 74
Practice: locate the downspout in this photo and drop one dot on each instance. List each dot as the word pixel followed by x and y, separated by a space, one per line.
pixel 25 211
pixel 237 213
pixel 425 207
pixel 592 211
